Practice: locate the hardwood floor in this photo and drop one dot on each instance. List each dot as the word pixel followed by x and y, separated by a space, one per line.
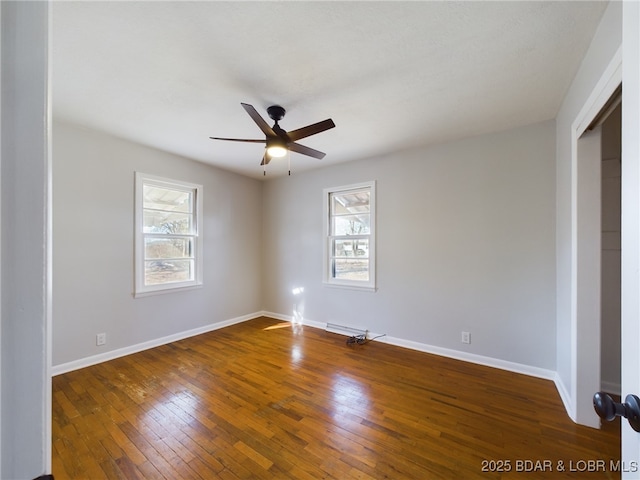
pixel 265 399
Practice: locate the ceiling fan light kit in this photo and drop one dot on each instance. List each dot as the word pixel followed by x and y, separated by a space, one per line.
pixel 276 148
pixel 277 151
pixel 278 141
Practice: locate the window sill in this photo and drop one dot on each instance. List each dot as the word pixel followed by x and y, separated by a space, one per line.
pixel 361 288
pixel 162 291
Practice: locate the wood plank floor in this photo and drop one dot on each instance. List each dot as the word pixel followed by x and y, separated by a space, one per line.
pixel 265 399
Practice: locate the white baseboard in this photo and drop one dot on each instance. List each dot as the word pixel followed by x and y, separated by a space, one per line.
pixel 471 358
pixel 121 352
pixel 569 406
pixel 291 318
pixel 444 352
pixel 611 387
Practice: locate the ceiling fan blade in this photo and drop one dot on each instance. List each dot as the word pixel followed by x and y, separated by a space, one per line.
pixel 264 126
pixel 265 159
pixel 238 139
pixel 310 130
pixel 296 147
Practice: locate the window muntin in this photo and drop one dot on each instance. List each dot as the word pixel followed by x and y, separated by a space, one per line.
pixel 349 228
pixel 168 241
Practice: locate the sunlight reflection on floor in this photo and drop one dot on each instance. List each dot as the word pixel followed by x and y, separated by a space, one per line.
pixel 278 325
pixel 296 353
pixel 294 325
pixel 349 395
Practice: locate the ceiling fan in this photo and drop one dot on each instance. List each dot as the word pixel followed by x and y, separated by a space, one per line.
pixel 277 140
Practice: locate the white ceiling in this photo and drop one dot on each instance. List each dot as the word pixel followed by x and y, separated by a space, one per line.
pixel 392 75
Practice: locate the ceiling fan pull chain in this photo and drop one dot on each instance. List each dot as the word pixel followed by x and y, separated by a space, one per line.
pixel 289 158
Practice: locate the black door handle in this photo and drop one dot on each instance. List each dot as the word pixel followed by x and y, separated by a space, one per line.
pixel 607 409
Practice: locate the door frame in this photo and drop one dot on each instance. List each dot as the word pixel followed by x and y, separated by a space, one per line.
pixel 585 324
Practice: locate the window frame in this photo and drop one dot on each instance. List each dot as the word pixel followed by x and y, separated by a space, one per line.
pixel 140 288
pixel 328 278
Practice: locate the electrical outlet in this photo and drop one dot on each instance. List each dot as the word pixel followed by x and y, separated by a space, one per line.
pixel 101 339
pixel 466 337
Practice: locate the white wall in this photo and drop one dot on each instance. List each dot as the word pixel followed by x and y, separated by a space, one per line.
pixel 93 179
pixel 25 380
pixel 465 242
pixel 603 48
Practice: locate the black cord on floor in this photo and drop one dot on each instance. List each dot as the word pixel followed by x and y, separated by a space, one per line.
pixel 361 339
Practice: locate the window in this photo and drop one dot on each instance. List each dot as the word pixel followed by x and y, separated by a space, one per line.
pixel 350 236
pixel 168 250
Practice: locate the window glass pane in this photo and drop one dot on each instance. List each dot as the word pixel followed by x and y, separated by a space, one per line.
pixel 351 269
pixel 165 271
pixel 156 221
pixel 351 248
pixel 351 225
pixel 350 202
pixel 167 248
pixel 162 198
